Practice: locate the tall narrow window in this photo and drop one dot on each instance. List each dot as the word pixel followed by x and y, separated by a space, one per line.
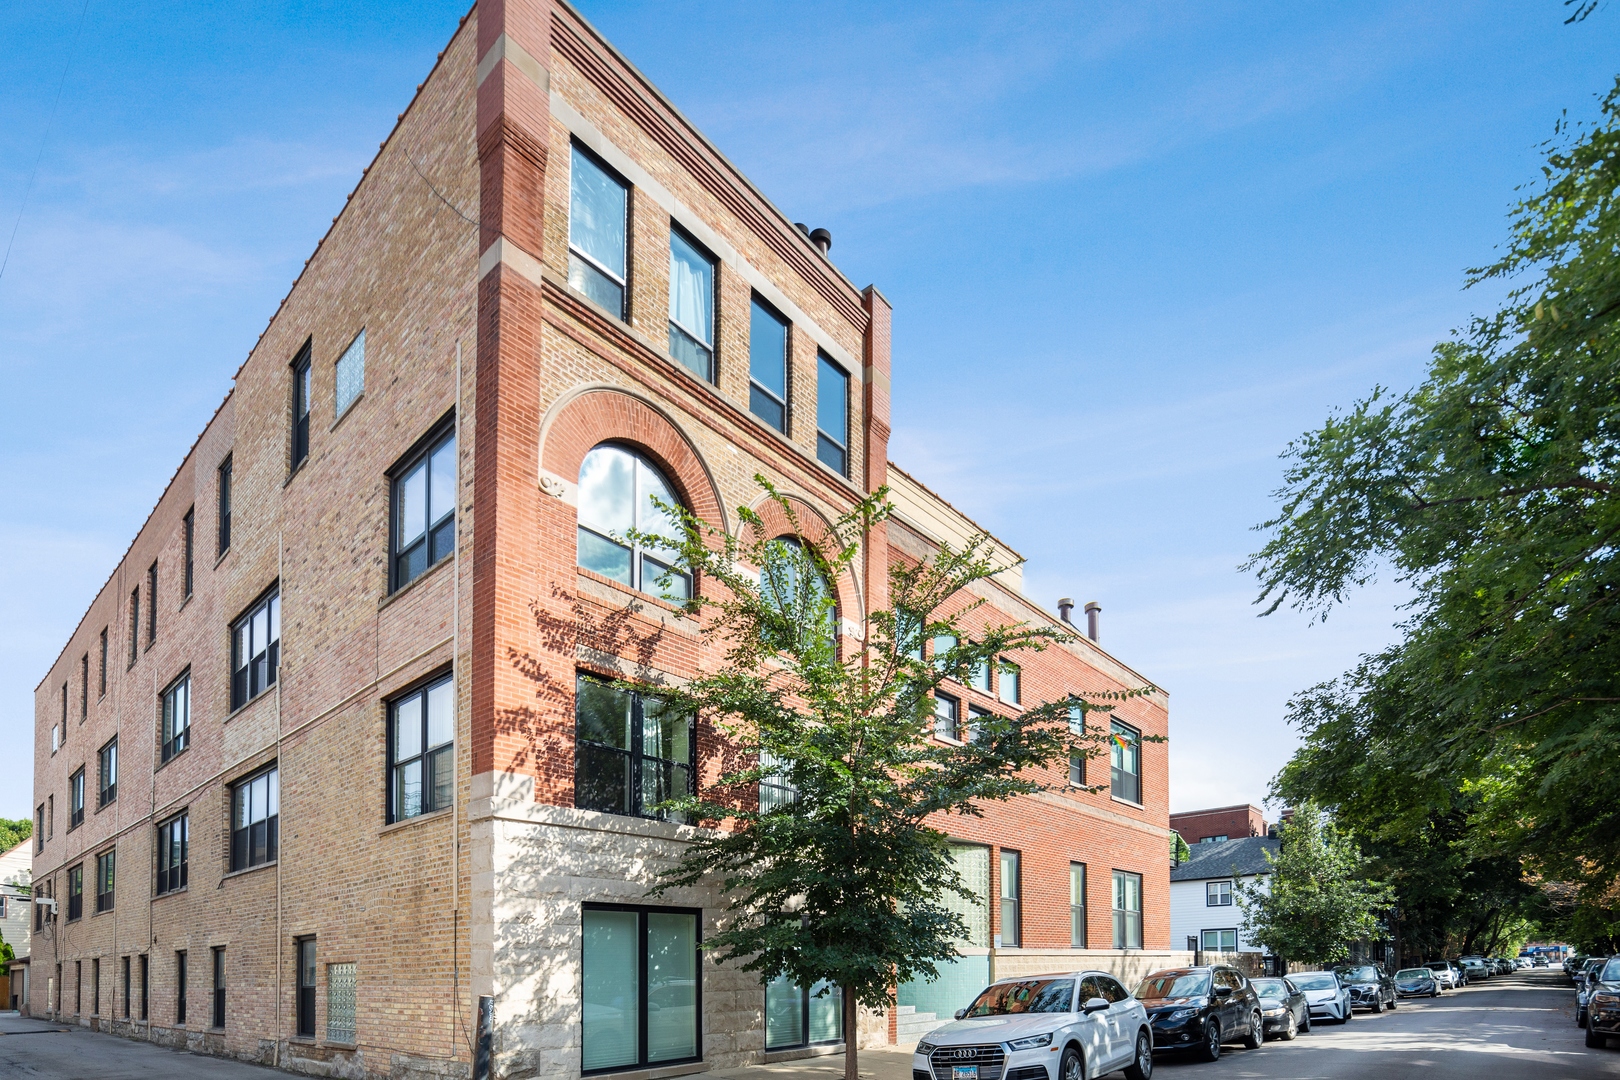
pixel 300 406
pixel 350 377
pixel 979 678
pixel 1127 910
pixel 640 984
pixel 84 687
pixel 106 873
pixel 76 799
pixel 173 853
pixel 1011 678
pixel 1011 898
pixel 767 365
pixel 631 753
pixel 691 305
pixel 146 986
pixel 64 706
pixel 107 773
pixel 176 733
pixel 832 415
pixel 101 684
pixel 180 987
pixel 425 509
pixel 78 987
pixel 255 820
pixel 619 493
pixel 977 719
pixel 134 625
pixel 1077 905
pixel 776 788
pixel 95 987
pixel 340 995
pixel 39 828
pixel 305 949
pixel 75 880
pixel 421 750
pixel 126 985
pixel 225 505
pixel 189 571
pixel 1077 760
pixel 597 203
pixel 1125 752
pixel 256 649
pixel 50 816
pixel 219 986
pixel 151 604
pixel 795 1016
pixel 947 716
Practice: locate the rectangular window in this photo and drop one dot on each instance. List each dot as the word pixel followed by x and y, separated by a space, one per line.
pixel 1127 910
pixel 421 750
pixel 188 574
pixel 101 682
pixel 180 987
pixel 340 995
pixel 173 853
pixel 691 305
pixel 75 878
pixel 151 604
pixel 631 752
pixel 768 365
pixel 598 203
pixel 1224 941
pixel 1125 750
pixel 424 497
pixel 256 649
pixel 224 539
pixel 50 816
pixel 84 687
pixel 134 625
pixel 832 415
pixel 95 987
pixel 219 986
pixel 64 708
pixel 795 1016
pixel 39 828
pixel 350 378
pixel 78 987
pixel 300 407
pixel 640 989
pixel 124 980
pixel 56 737
pixel 146 986
pixel 976 721
pixel 176 732
pixel 1218 894
pixel 76 799
pixel 107 773
pixel 943 644
pixel 106 868
pixel 1077 769
pixel 775 789
pixel 305 949
pixel 947 716
pixel 1011 888
pixel 1011 688
pixel 255 819
pixel 1077 905
pixel 979 678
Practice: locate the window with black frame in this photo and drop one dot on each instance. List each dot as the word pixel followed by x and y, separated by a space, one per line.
pixel 76 799
pixel 832 415
pixel 768 365
pixel 256 649
pixel 776 789
pixel 180 987
pixel 219 986
pixel 947 717
pixel 421 750
pixel 300 406
pixel 1127 910
pixel 631 753
pixel 796 1016
pixel 691 305
pixel 106 876
pixel 622 492
pixel 1125 753
pixel 305 1004
pixel 175 735
pixel 223 528
pixel 255 820
pixel 107 773
pixel 641 987
pixel 75 890
pixel 598 205
pixel 424 497
pixel 173 853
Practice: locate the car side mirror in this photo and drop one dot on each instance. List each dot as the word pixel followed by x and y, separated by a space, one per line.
pixel 1223 991
pixel 1095 1004
pixel 961 1013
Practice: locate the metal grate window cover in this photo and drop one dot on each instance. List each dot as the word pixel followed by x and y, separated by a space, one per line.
pixel 340 1003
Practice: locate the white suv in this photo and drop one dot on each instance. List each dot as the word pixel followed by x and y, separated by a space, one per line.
pixel 1070 1026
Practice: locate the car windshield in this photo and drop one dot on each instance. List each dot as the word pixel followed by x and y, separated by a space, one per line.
pixel 1315 980
pixel 1611 971
pixel 1024 996
pixel 1413 973
pixel 1172 985
pixel 1270 988
pixel 1364 973
pixel 1437 967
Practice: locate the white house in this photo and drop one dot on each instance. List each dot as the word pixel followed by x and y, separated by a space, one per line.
pixel 1203 912
pixel 16 909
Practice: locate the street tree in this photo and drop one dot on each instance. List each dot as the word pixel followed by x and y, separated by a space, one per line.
pixel 847 880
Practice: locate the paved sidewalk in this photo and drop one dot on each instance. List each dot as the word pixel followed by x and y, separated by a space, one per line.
pixel 877 1064
pixel 32 1048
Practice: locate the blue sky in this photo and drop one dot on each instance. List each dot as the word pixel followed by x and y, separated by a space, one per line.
pixel 1133 250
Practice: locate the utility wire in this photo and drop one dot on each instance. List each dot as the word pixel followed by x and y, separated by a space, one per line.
pixel 45 138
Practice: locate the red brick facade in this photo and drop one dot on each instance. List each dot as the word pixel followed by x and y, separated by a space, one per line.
pixel 1226 822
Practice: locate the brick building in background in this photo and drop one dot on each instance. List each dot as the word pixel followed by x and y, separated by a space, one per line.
pixel 331 754
pixel 1221 823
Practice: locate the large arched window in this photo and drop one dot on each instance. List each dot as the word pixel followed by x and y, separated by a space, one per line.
pixel 780 582
pixel 617 488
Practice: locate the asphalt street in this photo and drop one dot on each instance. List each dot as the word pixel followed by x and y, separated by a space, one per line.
pixel 35 1048
pixel 1512 1027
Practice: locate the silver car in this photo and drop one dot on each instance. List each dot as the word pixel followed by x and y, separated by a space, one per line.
pixel 1328 998
pixel 1447 973
pixel 1069 1026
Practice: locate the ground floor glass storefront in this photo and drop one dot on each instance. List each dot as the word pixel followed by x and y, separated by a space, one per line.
pixel 795 1016
pixel 641 992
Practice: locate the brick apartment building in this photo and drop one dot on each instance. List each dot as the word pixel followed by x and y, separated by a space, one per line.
pixel 1220 823
pixel 380 589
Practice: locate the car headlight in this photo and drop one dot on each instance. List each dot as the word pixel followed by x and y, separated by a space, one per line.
pixel 1179 1014
pixel 925 1048
pixel 1274 1010
pixel 1031 1043
pixel 1606 999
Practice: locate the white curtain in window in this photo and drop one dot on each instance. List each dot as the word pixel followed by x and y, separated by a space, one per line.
pixel 691 290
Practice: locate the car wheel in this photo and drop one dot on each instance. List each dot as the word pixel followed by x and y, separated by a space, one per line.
pixel 1596 1040
pixel 1305 1025
pixel 1072 1067
pixel 1256 1037
pixel 1349 1014
pixel 1141 1067
pixel 1580 1016
pixel 1394 1000
pixel 1211 1050
pixel 1378 1004
pixel 1290 1029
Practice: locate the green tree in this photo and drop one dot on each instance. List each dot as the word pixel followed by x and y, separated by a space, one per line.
pixel 848 881
pixel 1317 900
pixel 14 832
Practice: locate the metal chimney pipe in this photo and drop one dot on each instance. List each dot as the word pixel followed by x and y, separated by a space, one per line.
pixel 1094 621
pixel 822 239
pixel 1066 610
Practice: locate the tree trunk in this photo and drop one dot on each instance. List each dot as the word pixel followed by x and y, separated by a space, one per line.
pixel 851 1012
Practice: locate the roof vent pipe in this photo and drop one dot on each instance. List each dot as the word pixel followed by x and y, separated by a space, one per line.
pixel 1066 610
pixel 1094 621
pixel 822 239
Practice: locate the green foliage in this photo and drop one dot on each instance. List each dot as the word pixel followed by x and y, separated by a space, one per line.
pixel 1179 851
pixel 849 882
pixel 1318 900
pixel 1490 490
pixel 14 832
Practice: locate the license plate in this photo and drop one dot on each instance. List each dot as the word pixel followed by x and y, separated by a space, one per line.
pixel 964 1072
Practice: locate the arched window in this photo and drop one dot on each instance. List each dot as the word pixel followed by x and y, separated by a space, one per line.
pixel 617 487
pixel 782 587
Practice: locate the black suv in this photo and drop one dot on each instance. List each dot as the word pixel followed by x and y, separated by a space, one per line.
pixel 1370 986
pixel 1199 1008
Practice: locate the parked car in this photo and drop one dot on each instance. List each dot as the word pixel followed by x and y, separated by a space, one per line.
pixel 1586 980
pixel 1572 963
pixel 1370 986
pixel 1475 967
pixel 1068 1026
pixel 1416 982
pixel 1284 1011
pixel 1448 973
pixel 1603 1005
pixel 1538 961
pixel 1329 998
pixel 1521 963
pixel 1199 1008
pixel 1504 966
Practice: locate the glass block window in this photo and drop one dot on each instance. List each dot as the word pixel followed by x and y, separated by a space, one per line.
pixel 351 374
pixel 691 305
pixel 340 979
pixel 421 750
pixel 597 204
pixel 973 865
pixel 619 493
